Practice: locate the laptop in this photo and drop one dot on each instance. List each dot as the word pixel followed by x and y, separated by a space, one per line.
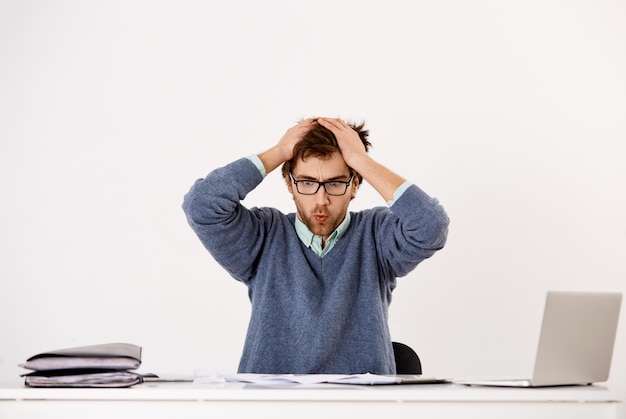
pixel 576 341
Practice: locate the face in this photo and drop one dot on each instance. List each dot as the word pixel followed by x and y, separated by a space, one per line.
pixel 322 213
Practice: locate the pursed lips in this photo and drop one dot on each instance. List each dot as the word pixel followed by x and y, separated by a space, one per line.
pixel 321 217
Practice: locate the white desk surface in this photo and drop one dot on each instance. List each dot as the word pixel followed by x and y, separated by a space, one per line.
pixel 187 391
pixel 184 399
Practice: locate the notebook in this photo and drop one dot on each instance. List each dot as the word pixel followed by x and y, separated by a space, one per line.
pixel 576 341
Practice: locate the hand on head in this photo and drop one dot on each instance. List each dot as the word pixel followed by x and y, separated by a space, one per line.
pixel 350 144
pixel 293 135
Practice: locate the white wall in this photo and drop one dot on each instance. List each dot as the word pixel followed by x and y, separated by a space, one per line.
pixel 511 113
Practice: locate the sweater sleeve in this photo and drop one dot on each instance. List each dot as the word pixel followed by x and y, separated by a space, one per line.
pixel 225 227
pixel 416 230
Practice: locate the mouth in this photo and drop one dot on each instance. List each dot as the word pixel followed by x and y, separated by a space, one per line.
pixel 321 218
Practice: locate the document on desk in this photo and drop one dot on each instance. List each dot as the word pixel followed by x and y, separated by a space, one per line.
pixel 359 379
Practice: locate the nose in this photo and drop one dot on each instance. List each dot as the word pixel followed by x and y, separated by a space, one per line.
pixel 321 197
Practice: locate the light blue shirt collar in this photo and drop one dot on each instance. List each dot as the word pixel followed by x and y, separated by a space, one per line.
pixel 314 242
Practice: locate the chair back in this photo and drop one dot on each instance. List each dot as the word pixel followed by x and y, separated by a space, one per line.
pixel 407 361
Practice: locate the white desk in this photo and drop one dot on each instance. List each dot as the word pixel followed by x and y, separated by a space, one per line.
pixel 233 400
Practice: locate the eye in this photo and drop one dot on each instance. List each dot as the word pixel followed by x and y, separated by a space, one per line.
pixel 336 183
pixel 307 182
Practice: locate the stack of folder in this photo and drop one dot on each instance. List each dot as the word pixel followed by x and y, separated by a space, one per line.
pixel 103 365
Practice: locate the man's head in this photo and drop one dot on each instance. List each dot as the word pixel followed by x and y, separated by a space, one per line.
pixel 317 158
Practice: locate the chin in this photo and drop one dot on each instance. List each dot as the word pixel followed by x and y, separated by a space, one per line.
pixel 319 231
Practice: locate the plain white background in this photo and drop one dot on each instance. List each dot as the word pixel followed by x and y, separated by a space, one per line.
pixel 511 113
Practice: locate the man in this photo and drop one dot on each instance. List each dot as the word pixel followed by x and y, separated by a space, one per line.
pixel 320 280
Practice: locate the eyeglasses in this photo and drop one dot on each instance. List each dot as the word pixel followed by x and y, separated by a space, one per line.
pixel 332 187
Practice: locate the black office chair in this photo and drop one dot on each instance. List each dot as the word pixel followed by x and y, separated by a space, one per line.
pixel 407 361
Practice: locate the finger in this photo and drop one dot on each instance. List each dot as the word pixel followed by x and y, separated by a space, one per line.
pixel 331 123
pixel 306 122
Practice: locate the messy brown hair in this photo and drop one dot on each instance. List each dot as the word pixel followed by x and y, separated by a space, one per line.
pixel 321 142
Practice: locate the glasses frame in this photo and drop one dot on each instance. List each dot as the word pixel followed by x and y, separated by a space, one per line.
pixel 320 184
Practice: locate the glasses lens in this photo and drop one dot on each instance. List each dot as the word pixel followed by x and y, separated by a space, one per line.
pixel 336 188
pixel 307 187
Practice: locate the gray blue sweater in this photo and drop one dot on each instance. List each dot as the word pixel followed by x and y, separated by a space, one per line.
pixel 311 314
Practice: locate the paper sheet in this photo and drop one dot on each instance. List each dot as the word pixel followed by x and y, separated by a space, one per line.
pixel 294 379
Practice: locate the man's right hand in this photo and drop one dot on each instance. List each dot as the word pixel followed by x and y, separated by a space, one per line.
pixel 283 150
pixel 293 136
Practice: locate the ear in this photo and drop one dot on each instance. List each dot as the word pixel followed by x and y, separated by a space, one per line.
pixel 354 187
pixel 289 184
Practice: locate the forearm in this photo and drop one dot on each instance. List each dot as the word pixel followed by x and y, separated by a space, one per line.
pixel 384 181
pixel 273 158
